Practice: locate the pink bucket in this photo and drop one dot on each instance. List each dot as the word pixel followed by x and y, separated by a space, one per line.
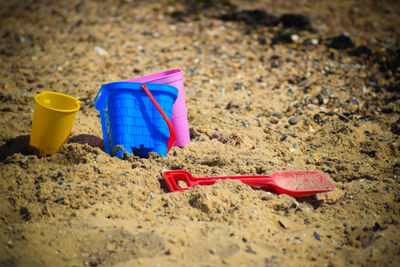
pixel 179 113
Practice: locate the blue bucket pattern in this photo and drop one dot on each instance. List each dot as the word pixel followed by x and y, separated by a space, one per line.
pixel 130 121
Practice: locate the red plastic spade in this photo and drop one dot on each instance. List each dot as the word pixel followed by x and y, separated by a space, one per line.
pixel 293 183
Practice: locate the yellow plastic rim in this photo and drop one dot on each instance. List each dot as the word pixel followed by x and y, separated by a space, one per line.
pixel 39 99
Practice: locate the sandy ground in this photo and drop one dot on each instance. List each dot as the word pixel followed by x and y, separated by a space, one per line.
pixel 264 92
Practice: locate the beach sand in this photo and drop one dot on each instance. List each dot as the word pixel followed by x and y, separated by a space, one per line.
pixel 265 91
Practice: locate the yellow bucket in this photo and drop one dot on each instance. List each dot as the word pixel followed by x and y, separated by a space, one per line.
pixel 53 118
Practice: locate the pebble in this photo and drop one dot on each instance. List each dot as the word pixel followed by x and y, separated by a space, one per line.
pixel 238 86
pixel 320 99
pixel 327 90
pixel 388 189
pixel 25 214
pixel 311 106
pixel 276 114
pixel 295 38
pixel 146 32
pixel 100 51
pixel 294 120
pixel 317 236
pixel 274 120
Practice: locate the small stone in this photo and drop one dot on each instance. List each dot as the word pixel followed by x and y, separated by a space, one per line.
pixel 294 120
pixel 238 86
pixel 376 227
pixel 372 153
pixel 388 189
pixel 317 236
pixel 25 214
pixel 317 117
pixel 276 114
pixel 274 120
pixel 320 99
pixel 283 137
pixel 295 38
pixel 327 90
pixel 311 106
pixel 100 51
pixel 282 224
pixel 146 32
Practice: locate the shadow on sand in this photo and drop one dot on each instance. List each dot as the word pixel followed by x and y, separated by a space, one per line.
pixel 19 144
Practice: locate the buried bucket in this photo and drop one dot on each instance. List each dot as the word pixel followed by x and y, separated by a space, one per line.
pixel 135 118
pixel 53 118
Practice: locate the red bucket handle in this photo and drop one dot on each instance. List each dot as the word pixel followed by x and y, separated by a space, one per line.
pixel 172 135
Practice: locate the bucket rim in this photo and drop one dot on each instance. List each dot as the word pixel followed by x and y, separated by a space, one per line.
pixel 38 101
pixel 153 78
pixel 164 74
pixel 133 86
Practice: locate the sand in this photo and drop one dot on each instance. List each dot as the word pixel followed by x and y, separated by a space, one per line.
pixel 318 91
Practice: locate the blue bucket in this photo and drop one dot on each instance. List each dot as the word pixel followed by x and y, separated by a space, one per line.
pixel 130 121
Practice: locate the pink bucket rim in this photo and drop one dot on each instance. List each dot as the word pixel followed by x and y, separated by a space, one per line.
pixel 162 75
